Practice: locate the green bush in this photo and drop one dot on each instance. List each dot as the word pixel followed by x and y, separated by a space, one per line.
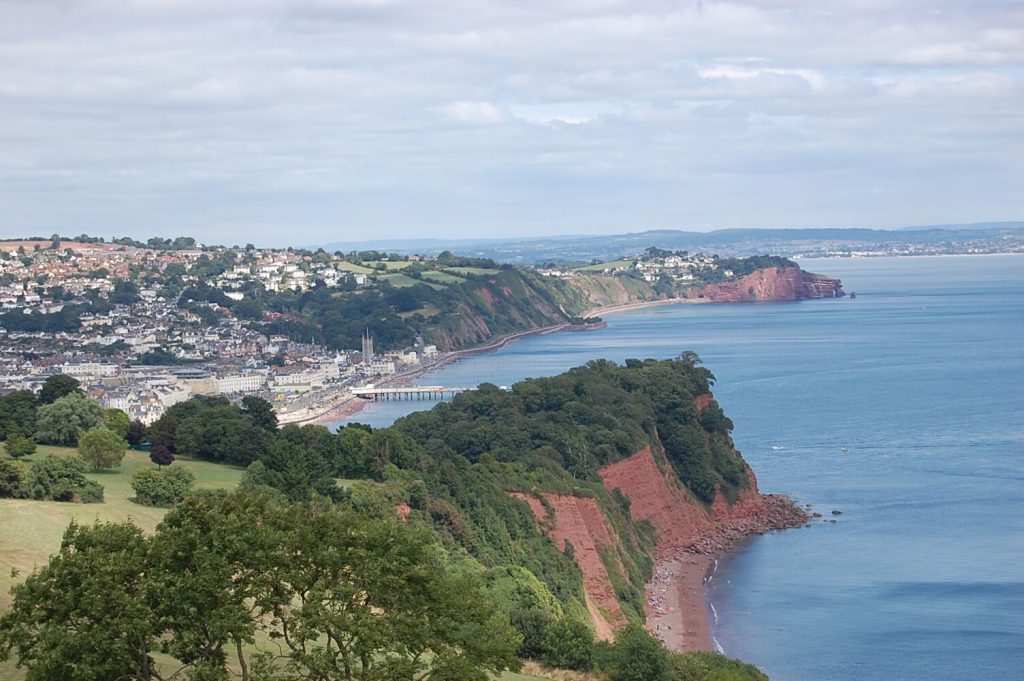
pixel 91 492
pixel 638 656
pixel 60 478
pixel 18 446
pixel 532 624
pixel 700 666
pixel 157 487
pixel 569 644
pixel 12 475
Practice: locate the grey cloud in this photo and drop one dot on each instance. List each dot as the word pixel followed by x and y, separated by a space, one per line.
pixel 286 120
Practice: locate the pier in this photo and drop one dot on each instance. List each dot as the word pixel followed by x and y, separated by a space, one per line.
pixel 409 392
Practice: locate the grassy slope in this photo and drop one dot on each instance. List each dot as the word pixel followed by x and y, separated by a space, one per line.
pixel 600 267
pixel 30 531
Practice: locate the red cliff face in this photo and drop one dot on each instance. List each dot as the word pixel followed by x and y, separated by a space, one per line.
pixel 682 524
pixel 771 284
pixel 580 521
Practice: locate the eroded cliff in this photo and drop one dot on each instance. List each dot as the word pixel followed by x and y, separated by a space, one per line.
pixel 769 285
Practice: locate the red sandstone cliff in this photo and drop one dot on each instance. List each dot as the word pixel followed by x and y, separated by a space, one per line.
pixel 771 284
pixel 657 495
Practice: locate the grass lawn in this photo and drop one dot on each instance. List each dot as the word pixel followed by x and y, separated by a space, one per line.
pixel 352 267
pixel 602 266
pixel 30 531
pixel 443 277
pixel 470 270
pixel 391 265
pixel 398 280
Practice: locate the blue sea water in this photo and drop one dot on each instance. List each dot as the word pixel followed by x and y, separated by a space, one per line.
pixel 904 409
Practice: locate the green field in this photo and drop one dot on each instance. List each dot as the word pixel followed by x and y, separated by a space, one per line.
pixel 390 265
pixel 30 531
pixel 352 267
pixel 602 266
pixel 398 280
pixel 443 277
pixel 471 270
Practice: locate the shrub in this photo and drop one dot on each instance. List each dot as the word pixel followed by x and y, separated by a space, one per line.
pixel 19 446
pixel 158 487
pixel 532 624
pixel 569 644
pixel 638 656
pixel 12 474
pixel 91 492
pixel 60 478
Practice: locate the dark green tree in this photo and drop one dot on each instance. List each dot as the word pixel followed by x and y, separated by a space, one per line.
pixel 569 644
pixel 84 616
pixel 57 386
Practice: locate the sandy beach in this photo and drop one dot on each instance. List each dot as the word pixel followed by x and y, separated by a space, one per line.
pixel 677 611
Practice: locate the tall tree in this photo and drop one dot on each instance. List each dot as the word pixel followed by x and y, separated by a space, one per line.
pixel 18 413
pixel 84 616
pixel 261 411
pixel 56 387
pixel 117 421
pixel 102 448
pixel 64 420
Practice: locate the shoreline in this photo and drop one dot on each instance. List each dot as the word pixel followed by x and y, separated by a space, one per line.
pixel 352 405
pixel 676 597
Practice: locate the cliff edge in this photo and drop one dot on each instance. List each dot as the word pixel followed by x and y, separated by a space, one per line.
pixel 771 284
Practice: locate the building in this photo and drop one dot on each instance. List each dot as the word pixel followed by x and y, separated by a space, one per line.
pixel 367 347
pixel 90 369
pixel 241 383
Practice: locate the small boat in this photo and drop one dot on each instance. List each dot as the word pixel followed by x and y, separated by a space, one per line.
pixel 853 295
pixel 777 448
pixel 844 449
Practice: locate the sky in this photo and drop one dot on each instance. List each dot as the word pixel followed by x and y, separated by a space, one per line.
pixel 297 122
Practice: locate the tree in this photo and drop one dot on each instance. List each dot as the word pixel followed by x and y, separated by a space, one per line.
pixel 136 434
pixel 374 599
pixel 85 616
pixel 569 644
pixel 161 456
pixel 18 413
pixel 12 474
pixel 101 447
pixel 61 478
pixel 638 656
pixel 261 411
pixel 117 421
pixel 64 420
pixel 56 387
pixel 18 446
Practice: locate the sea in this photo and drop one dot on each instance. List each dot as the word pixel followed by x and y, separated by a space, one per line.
pixel 903 411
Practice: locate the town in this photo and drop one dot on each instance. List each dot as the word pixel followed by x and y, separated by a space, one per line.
pixel 113 316
pixel 144 326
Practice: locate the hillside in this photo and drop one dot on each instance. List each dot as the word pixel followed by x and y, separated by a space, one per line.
pixel 607 466
pixel 508 523
pixel 463 307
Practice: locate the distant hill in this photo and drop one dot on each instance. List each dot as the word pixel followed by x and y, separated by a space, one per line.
pixel 987 237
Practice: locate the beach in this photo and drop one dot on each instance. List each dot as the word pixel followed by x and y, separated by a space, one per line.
pixel 677 611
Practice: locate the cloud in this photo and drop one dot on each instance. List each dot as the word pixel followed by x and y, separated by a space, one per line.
pixel 475 113
pixel 287 119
